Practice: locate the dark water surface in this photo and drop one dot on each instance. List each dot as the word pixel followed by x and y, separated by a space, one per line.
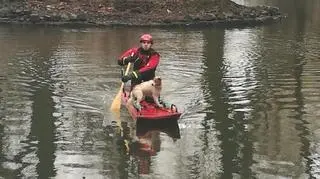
pixel 250 99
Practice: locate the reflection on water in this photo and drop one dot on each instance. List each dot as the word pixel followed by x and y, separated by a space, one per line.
pixel 148 143
pixel 249 97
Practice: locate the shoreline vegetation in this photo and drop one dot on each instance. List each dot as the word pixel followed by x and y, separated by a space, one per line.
pixel 163 13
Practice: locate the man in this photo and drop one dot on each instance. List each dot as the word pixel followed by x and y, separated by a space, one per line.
pixel 145 61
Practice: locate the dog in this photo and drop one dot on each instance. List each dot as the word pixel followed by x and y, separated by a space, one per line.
pixel 151 88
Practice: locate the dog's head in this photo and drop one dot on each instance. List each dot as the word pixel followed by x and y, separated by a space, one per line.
pixel 157 81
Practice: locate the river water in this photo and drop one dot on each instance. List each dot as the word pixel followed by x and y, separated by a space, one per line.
pixel 249 95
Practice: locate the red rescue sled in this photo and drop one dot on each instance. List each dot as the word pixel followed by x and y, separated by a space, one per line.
pixel 150 111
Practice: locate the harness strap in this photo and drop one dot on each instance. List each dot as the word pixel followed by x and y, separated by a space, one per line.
pixel 135 74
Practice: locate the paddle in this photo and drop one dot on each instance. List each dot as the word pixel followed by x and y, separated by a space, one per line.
pixel 116 104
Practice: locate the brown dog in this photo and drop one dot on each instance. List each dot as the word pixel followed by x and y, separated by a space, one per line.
pixel 151 88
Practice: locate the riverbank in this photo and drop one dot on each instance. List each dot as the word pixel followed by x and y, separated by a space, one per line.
pixel 140 13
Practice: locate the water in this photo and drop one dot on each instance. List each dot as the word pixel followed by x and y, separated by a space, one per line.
pixel 250 100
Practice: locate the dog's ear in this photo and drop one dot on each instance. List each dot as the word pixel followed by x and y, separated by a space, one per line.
pixel 157 78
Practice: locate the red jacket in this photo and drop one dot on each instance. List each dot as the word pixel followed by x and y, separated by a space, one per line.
pixel 146 62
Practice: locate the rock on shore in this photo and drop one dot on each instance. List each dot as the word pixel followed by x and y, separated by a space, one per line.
pixel 139 13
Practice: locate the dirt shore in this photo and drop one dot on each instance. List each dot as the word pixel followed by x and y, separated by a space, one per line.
pixel 139 13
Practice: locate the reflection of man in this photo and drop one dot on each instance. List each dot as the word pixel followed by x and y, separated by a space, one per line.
pixel 148 142
pixel 148 145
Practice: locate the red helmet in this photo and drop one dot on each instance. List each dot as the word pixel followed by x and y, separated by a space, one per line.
pixel 146 37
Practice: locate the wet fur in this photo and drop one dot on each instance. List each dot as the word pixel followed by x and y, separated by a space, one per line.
pixel 150 88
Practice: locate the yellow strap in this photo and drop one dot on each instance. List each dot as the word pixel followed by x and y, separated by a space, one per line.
pixel 135 74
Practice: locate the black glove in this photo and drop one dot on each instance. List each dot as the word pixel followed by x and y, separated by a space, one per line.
pixel 133 75
pixel 126 60
pixel 130 59
pixel 126 78
pixel 120 62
